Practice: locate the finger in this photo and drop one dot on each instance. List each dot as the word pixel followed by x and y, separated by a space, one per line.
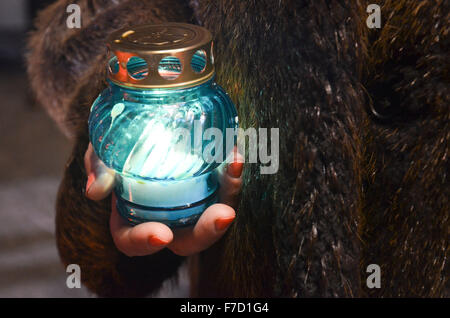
pixel 100 178
pixel 143 239
pixel 231 180
pixel 210 227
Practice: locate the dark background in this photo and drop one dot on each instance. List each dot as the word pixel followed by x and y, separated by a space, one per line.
pixel 32 156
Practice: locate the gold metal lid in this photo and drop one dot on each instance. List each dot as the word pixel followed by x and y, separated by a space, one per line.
pixel 164 55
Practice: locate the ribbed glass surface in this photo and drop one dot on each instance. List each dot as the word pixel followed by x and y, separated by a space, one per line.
pixel 135 131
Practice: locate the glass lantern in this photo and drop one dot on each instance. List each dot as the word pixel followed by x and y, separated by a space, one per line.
pixel 149 124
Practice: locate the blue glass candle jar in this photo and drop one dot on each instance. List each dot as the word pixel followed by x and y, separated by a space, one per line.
pixel 161 123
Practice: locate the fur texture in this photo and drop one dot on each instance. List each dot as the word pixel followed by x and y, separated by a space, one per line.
pixel 406 207
pixel 353 188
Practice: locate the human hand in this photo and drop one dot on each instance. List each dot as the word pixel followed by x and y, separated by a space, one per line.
pixel 150 237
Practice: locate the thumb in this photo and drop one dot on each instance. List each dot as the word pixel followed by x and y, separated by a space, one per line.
pixel 100 179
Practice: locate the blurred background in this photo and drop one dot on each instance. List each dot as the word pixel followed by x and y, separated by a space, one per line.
pixel 32 156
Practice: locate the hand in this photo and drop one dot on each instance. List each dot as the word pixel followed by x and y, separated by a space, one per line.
pixel 150 237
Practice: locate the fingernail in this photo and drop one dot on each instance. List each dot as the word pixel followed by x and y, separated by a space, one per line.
pixel 156 241
pixel 90 181
pixel 235 169
pixel 222 224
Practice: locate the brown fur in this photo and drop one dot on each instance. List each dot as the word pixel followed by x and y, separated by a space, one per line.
pixel 406 203
pixel 353 189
